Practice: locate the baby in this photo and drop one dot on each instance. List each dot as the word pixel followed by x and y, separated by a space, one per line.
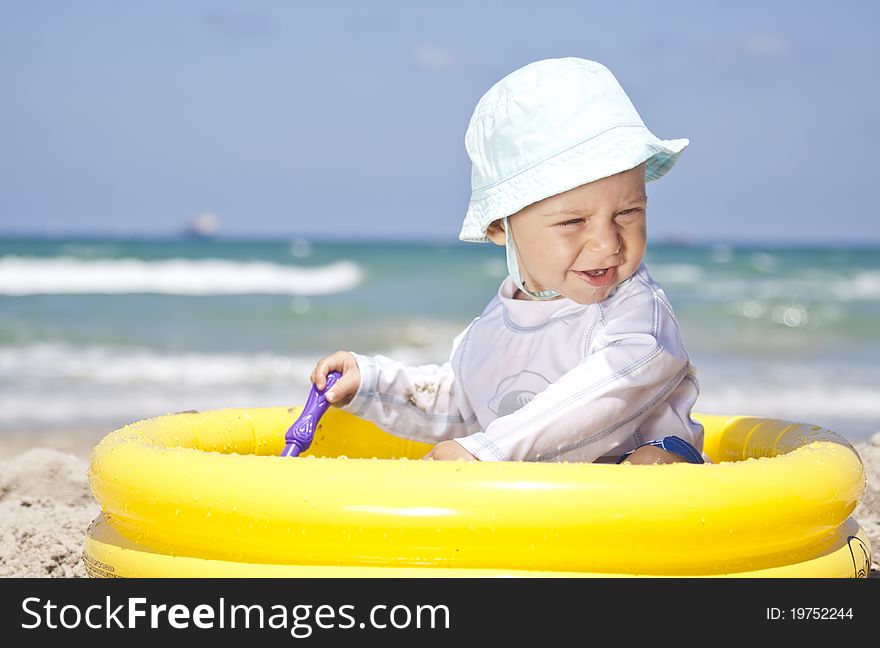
pixel 578 357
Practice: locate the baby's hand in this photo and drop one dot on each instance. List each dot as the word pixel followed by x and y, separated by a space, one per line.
pixel 346 387
pixel 449 451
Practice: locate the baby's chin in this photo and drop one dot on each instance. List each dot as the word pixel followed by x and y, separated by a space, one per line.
pixel 583 293
pixel 598 295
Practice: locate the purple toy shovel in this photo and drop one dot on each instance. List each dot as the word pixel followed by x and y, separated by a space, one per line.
pixel 299 436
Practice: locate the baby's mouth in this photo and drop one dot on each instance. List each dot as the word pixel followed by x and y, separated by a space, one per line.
pixel 598 277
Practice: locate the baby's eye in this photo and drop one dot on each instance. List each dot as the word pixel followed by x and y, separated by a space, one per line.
pixel 572 222
pixel 629 213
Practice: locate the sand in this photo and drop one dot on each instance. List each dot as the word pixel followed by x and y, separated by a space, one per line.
pixel 45 508
pixel 46 505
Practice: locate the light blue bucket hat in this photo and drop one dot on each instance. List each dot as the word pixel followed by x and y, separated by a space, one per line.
pixel 548 127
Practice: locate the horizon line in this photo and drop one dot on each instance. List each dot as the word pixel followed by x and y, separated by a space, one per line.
pixel 285 237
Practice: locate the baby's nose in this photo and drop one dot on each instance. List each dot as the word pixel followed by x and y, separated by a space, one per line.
pixel 604 240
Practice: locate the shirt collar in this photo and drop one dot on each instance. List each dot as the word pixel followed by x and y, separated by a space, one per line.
pixel 531 312
pixel 534 312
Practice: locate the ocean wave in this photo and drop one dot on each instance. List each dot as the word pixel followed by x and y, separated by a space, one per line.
pixel 676 273
pixel 65 366
pixel 811 403
pixel 864 285
pixel 851 412
pixel 842 396
pixel 75 410
pixel 61 385
pixel 809 285
pixel 103 366
pixel 67 275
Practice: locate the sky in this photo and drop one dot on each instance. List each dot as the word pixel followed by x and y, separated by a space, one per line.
pixel 346 119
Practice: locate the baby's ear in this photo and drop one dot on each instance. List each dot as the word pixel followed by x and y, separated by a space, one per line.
pixel 496 233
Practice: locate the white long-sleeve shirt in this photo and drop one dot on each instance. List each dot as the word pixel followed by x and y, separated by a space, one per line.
pixel 546 380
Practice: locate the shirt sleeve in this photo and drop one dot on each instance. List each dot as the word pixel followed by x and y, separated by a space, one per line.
pixel 423 403
pixel 598 404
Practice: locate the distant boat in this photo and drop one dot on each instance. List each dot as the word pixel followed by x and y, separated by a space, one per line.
pixel 203 226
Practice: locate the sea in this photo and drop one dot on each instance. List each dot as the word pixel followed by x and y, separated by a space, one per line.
pixel 100 332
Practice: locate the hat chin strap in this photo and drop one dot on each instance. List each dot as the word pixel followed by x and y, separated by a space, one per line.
pixel 513 267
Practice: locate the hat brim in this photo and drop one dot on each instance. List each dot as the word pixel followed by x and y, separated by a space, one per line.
pixel 612 152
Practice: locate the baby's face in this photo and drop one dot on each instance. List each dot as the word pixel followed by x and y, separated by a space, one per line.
pixel 584 242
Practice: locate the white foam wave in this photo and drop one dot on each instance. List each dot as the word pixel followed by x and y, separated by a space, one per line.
pixel 72 409
pixel 68 275
pixel 63 385
pixel 680 273
pixel 809 285
pixel 809 403
pixel 108 366
pixel 842 396
pixel 864 285
pixel 59 385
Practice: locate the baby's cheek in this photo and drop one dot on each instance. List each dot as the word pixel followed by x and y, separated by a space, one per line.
pixel 641 233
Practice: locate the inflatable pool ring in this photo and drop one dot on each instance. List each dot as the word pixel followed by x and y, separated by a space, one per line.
pixel 206 494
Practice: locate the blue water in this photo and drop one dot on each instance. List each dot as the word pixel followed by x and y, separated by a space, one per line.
pixel 104 332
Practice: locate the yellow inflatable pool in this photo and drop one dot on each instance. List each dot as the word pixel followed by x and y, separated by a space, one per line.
pixel 205 494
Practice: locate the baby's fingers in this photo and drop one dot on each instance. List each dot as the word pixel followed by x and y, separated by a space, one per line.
pixel 325 365
pixel 346 386
pixel 343 388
